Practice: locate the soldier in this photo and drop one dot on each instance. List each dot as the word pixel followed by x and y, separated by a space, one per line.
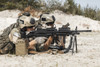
pixel 25 24
pixel 35 44
pixel 41 44
pixel 6 46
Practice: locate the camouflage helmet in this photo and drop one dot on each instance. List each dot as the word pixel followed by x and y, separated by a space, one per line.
pixel 47 19
pixel 26 21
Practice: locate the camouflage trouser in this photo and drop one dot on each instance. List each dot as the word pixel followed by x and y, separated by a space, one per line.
pixel 40 43
pixel 7 48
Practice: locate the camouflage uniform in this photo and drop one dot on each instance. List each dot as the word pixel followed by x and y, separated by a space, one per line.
pixel 44 22
pixel 5 44
pixel 11 35
pixel 16 33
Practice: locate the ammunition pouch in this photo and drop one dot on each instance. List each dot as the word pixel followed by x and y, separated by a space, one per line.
pixel 21 47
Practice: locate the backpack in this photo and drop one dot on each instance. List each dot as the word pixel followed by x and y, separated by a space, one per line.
pixel 4 37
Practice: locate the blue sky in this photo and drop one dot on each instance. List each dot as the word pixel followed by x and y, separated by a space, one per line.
pixel 91 3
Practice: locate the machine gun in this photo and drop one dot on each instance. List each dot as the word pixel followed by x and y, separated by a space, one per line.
pixel 53 31
pixel 63 31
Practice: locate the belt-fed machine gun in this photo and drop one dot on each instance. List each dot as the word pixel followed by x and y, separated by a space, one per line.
pixel 63 31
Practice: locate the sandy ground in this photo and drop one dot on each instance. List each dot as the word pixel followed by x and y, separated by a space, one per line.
pixel 87 56
pixel 76 20
pixel 88 45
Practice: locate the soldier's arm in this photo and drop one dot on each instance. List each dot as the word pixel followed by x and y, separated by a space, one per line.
pixel 61 41
pixel 14 35
pixel 48 42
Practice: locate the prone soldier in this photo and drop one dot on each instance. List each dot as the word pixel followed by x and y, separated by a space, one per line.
pixel 42 44
pixel 25 24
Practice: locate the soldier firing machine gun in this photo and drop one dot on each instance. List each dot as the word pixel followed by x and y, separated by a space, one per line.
pixel 63 31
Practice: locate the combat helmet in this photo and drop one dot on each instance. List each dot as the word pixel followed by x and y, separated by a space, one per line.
pixel 26 21
pixel 47 18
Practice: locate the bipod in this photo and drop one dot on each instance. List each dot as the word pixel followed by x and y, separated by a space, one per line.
pixel 73 43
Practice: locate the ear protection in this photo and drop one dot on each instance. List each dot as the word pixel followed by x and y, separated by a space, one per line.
pixel 53 18
pixel 32 21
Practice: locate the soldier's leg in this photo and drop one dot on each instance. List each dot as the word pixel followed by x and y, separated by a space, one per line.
pixel 34 45
pixel 7 48
pixel 48 42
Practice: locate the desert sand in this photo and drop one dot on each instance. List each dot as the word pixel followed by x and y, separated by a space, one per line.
pixel 88 44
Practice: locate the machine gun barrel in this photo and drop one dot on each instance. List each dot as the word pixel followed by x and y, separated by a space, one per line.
pixel 82 31
pixel 64 31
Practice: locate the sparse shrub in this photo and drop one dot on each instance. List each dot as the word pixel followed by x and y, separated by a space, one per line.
pixel 69 7
pixel 10 5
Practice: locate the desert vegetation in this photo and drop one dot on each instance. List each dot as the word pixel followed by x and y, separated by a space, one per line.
pixel 69 7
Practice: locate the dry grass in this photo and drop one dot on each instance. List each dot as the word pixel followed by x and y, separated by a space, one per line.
pixel 33 12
